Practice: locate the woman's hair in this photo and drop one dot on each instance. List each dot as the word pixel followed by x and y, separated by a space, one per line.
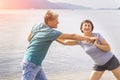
pixel 50 15
pixel 86 21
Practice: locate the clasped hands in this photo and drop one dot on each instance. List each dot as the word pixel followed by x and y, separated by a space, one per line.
pixel 92 40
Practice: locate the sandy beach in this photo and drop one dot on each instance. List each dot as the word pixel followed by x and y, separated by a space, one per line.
pixel 67 76
pixel 80 76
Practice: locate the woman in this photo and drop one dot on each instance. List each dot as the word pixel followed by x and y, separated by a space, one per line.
pixel 99 50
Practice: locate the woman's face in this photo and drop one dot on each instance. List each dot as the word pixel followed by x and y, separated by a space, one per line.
pixel 87 28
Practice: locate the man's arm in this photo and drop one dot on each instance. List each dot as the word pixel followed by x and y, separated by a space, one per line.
pixel 73 37
pixel 67 42
pixel 29 36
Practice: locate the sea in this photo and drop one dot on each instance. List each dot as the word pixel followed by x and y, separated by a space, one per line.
pixel 61 62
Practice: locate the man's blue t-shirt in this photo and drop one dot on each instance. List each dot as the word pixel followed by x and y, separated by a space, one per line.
pixel 42 37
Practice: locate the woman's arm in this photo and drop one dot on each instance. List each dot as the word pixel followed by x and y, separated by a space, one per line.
pixel 103 45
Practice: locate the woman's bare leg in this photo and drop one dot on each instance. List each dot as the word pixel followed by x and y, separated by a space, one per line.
pixel 116 73
pixel 96 75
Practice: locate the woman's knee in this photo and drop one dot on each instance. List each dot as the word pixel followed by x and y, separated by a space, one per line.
pixel 96 75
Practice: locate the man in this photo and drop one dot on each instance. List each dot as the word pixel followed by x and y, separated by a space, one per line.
pixel 40 38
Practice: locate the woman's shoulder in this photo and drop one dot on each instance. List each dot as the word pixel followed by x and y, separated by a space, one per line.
pixel 96 34
pixel 99 36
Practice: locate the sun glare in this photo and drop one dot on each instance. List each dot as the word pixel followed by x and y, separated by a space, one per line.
pixel 2 5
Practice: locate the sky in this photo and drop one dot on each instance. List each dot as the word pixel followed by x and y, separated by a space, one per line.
pixel 86 3
pixel 93 3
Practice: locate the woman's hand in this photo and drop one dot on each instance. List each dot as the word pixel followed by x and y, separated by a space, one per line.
pixel 95 41
pixel 92 40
